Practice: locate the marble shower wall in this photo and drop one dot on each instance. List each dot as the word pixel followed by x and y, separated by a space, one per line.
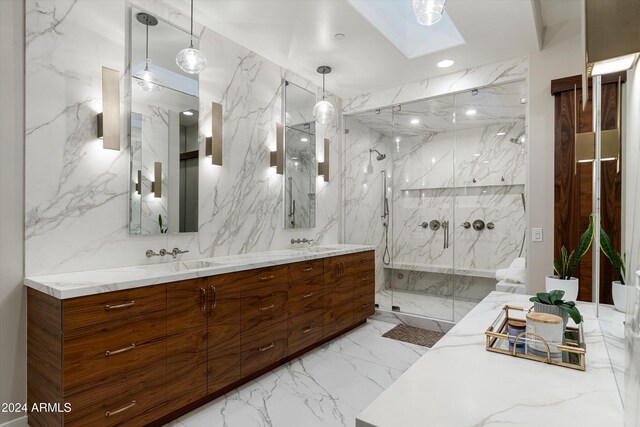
pixel 77 193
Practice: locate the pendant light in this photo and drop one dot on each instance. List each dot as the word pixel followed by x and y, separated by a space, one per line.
pixel 428 12
pixel 323 111
pixel 191 60
pixel 146 79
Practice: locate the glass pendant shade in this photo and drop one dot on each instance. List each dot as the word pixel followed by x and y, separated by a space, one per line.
pixel 147 80
pixel 191 60
pixel 428 12
pixel 323 112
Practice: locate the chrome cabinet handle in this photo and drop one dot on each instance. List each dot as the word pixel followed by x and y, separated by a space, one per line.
pixel 365 305
pixel 214 295
pixel 124 408
pixel 265 278
pixel 307 295
pixel 115 307
pixel 364 279
pixel 269 347
pixel 309 329
pixel 203 299
pixel 122 350
pixel 267 308
pixel 306 269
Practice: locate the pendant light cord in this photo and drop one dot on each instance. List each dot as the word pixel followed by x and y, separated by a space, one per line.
pixel 146 49
pixel 191 34
pixel 323 92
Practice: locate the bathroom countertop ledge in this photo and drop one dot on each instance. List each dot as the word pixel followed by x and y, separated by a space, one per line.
pixel 459 383
pixel 72 285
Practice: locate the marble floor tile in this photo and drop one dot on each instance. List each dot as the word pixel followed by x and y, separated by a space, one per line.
pixel 326 387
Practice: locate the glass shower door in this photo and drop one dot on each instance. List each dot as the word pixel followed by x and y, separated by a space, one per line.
pixel 490 167
pixel 423 204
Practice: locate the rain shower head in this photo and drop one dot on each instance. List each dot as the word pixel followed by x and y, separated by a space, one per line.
pixel 380 156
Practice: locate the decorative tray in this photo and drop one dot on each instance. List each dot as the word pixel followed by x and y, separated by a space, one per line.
pixel 573 349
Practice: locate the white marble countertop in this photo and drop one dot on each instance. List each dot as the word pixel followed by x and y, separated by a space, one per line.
pixel 71 285
pixel 458 383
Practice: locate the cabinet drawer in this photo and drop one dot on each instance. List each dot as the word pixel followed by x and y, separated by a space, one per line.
pixel 337 296
pixel 90 310
pixel 246 281
pixel 359 259
pixel 338 318
pixel 114 403
pixel 263 347
pixel 306 271
pixel 363 281
pixel 264 306
pixel 305 297
pixel 103 353
pixel 363 305
pixel 305 330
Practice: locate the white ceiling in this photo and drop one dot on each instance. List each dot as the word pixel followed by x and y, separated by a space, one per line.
pixel 299 35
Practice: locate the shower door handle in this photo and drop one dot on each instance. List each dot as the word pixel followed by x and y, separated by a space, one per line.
pixel 445 229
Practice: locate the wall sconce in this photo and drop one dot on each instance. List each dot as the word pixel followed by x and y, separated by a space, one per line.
pixel 276 158
pixel 323 167
pixel 156 185
pixel 109 119
pixel 139 182
pixel 214 142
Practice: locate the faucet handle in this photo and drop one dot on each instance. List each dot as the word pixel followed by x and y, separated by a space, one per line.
pixel 151 253
pixel 175 252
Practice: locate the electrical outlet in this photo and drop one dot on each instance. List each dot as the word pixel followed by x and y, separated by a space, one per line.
pixel 536 234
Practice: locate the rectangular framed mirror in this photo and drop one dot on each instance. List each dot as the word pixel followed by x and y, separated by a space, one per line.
pixel 164 130
pixel 300 167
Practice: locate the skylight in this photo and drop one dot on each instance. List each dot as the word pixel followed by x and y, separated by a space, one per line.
pixel 396 21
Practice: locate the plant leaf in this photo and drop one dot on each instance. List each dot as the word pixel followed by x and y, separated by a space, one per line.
pixel 534 299
pixel 544 298
pixel 573 312
pixel 556 268
pixel 583 246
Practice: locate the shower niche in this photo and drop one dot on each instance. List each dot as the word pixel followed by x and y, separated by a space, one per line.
pixel 454 180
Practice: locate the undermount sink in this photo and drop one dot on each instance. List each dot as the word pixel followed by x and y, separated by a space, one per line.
pixel 190 265
pixel 316 249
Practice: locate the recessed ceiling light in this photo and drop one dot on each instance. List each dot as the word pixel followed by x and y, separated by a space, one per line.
pixel 471 112
pixel 501 133
pixel 188 113
pixel 304 139
pixel 415 121
pixel 445 63
pixel 338 36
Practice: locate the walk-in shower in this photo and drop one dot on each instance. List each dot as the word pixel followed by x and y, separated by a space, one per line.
pixel 445 204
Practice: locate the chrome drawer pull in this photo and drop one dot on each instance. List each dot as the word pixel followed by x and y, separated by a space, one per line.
pixel 214 295
pixel 307 330
pixel 306 269
pixel 265 278
pixel 267 308
pixel 365 259
pixel 115 307
pixel 122 350
pixel 307 296
pixel 365 305
pixel 269 347
pixel 203 299
pixel 364 279
pixel 117 411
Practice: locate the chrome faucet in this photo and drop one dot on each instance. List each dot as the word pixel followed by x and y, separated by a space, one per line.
pixel 175 252
pixel 305 240
pixel 151 253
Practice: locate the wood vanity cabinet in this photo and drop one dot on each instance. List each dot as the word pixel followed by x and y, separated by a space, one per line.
pixel 147 355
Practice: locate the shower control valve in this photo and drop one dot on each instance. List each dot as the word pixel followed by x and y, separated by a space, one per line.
pixel 478 225
pixel 434 224
pixel 424 224
pixel 491 225
pixel 466 224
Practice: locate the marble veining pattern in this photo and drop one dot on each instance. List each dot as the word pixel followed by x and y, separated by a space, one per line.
pixel 78 193
pixel 464 385
pixel 326 387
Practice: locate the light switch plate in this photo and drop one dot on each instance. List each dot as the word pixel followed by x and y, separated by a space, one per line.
pixel 536 234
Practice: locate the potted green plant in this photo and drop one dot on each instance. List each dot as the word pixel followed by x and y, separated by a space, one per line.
pixel 620 292
pixel 553 303
pixel 563 280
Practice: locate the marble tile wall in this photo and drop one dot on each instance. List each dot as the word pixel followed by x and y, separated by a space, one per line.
pixel 77 193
